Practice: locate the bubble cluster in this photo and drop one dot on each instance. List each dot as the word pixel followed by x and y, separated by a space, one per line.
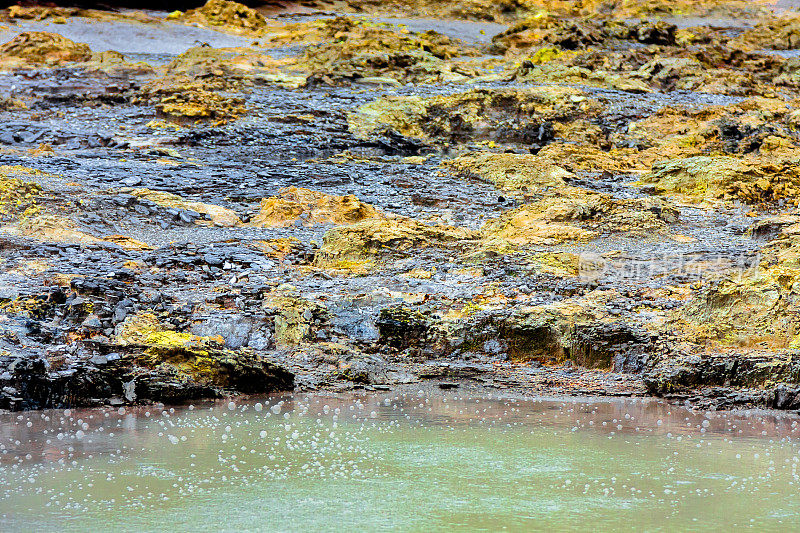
pixel 633 456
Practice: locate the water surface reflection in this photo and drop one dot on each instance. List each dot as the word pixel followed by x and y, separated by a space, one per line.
pixel 413 460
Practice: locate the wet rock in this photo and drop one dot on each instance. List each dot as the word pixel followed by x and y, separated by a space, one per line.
pixel 201 359
pixel 715 69
pixel 85 385
pixel 573 214
pixel 42 48
pixel 295 319
pixel 116 65
pixel 215 69
pixel 577 331
pixel 515 249
pixel 695 72
pixel 349 37
pixel 132 181
pixel 92 322
pixel 9 104
pixel 401 327
pixel 771 228
pixel 224 14
pixel 489 114
pixel 129 390
pixel 681 372
pixel 699 178
pixel 520 173
pixel 193 104
pixel 744 309
pixel 213 260
pixel 217 215
pixel 369 370
pixel 54 228
pixel 613 345
pixel 40 12
pixel 309 207
pixel 786 397
pixel 190 88
pixel 349 246
pixel 572 35
pixel 358 50
pixel 751 128
pixel 559 70
pixel 586 156
pixel 510 10
pixel 120 313
pixel 17 198
pixel 391 69
pixel 658 32
pixel 776 33
pixel 237 331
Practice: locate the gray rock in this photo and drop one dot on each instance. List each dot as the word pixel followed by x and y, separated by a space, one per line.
pixel 260 340
pixel 119 314
pixel 213 260
pixel 129 390
pixel 92 322
pixel 492 346
pixel 237 330
pixel 188 216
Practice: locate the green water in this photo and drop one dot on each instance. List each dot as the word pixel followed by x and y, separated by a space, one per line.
pixel 411 461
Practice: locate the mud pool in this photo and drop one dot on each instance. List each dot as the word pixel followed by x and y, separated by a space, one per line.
pixel 409 460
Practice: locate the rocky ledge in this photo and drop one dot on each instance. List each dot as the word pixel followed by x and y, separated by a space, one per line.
pixel 588 197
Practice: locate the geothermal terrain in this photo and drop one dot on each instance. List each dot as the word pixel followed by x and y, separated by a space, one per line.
pixel 562 197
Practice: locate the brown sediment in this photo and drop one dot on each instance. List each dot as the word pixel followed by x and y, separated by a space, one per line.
pixel 42 48
pixel 505 115
pixel 224 14
pixel 346 50
pixel 764 182
pixel 510 10
pixel 296 205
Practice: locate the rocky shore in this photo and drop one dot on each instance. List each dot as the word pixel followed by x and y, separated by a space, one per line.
pixel 593 197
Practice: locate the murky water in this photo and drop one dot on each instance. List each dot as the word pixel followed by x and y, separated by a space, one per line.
pixel 410 461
